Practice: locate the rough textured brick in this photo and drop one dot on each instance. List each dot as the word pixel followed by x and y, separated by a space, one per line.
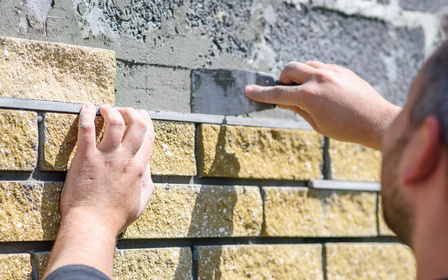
pixel 292 211
pixel 29 211
pixel 173 152
pixel 369 261
pixel 18 145
pixel 40 261
pixel 167 263
pixel 200 211
pixel 383 229
pixel 260 262
pixel 354 162
pixel 49 71
pixel 61 133
pixel 15 266
pixel 158 263
pixel 264 153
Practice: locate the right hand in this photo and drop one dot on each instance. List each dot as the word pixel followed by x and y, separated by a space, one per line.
pixel 333 100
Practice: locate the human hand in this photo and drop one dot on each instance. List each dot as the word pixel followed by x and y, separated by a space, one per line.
pixel 107 187
pixel 333 100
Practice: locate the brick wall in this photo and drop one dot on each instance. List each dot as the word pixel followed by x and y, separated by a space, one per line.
pixel 248 201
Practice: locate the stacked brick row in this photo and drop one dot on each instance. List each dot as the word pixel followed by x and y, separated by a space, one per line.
pixel 43 143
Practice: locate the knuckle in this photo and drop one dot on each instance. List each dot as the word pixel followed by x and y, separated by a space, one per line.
pixel 116 123
pixel 291 65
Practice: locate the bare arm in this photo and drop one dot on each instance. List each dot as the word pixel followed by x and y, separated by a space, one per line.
pixel 107 187
pixel 333 100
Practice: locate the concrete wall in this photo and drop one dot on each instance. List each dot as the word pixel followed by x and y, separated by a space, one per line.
pixel 228 198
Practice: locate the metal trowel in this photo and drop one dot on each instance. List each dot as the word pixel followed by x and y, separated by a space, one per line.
pixel 221 91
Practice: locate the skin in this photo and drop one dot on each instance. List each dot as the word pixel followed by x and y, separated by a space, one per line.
pixel 339 104
pixel 335 101
pixel 96 203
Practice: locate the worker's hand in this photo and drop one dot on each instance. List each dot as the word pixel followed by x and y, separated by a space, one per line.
pixel 335 101
pixel 107 187
pixel 111 180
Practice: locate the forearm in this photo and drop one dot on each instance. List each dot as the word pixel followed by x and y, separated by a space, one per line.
pixel 83 241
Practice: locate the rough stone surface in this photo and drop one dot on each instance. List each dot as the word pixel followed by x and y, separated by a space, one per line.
pixel 200 211
pixel 173 152
pixel 49 71
pixel 369 261
pixel 30 211
pixel 263 153
pixel 174 147
pixel 15 266
pixel 354 162
pixel 293 211
pixel 61 134
pixel 432 6
pixel 166 263
pixel 153 88
pixel 40 261
pixel 158 263
pixel 18 145
pixel 383 229
pixel 260 262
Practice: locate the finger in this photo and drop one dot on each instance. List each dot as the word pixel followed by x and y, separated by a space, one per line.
pixel 113 128
pixel 296 72
pixel 147 189
pixel 145 151
pixel 86 128
pixel 315 64
pixel 136 127
pixel 282 95
pixel 302 113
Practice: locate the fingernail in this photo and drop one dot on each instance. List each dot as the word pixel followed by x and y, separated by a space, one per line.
pixel 249 89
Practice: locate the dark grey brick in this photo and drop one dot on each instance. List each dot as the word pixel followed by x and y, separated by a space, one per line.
pixel 387 57
pixel 432 6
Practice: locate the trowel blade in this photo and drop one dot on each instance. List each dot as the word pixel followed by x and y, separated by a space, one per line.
pixel 221 91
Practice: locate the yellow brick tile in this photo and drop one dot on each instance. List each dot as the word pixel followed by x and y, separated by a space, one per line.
pixel 29 211
pixel 263 153
pixel 15 266
pixel 19 142
pixel 354 162
pixel 369 261
pixel 260 262
pixel 200 211
pixel 293 211
pixel 59 72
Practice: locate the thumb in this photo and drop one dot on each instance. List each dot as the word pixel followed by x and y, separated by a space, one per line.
pixel 147 189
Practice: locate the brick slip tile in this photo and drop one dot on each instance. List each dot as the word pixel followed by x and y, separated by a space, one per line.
pixel 354 162
pixel 293 211
pixel 173 152
pixel 29 211
pixel 50 71
pixel 260 262
pixel 157 263
pixel 369 261
pixel 18 146
pixel 200 211
pixel 382 227
pixel 15 266
pixel 261 153
pixel 174 146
